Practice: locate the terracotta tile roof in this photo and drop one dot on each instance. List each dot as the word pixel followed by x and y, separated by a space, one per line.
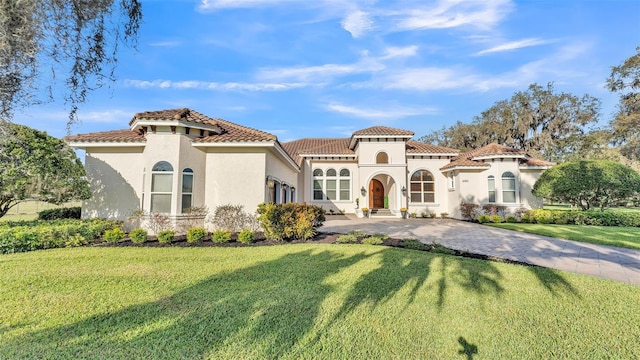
pixel 465 159
pixel 416 147
pixel 227 131
pixel 320 146
pixel 125 135
pixel 382 131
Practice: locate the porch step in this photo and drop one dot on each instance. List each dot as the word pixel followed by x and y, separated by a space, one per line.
pixel 381 213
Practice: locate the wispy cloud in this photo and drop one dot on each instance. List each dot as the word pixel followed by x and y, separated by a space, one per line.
pixel 166 43
pixel 395 52
pixel 208 85
pixel 391 112
pixel 454 13
pixel 513 45
pixel 357 23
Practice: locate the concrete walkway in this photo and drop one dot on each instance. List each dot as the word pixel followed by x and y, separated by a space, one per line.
pixel 608 262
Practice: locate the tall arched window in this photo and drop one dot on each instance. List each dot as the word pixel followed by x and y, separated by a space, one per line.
pixel 331 184
pixel 161 184
pixel 382 158
pixel 422 187
pixel 318 179
pixel 491 186
pixel 187 190
pixel 508 187
pixel 345 184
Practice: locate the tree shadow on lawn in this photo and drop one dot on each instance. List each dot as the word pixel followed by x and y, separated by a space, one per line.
pixel 260 311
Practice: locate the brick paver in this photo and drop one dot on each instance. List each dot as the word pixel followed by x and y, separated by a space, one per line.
pixel 608 262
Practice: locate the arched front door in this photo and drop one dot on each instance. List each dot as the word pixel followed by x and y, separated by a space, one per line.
pixel 376 194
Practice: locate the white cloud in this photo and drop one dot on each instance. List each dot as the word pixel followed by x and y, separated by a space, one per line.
pixel 167 43
pixel 387 113
pixel 319 73
pixel 357 23
pixel 513 45
pixel 394 52
pixel 453 13
pixel 221 4
pixel 209 85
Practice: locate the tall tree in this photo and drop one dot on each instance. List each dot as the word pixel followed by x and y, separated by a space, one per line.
pixel 625 79
pixel 538 120
pixel 76 40
pixel 36 165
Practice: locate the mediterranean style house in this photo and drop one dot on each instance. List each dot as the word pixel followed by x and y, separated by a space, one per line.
pixel 171 160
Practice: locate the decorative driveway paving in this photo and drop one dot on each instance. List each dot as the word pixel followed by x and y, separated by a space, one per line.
pixel 608 262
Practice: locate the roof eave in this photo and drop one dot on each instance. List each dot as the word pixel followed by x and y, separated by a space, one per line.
pixel 88 144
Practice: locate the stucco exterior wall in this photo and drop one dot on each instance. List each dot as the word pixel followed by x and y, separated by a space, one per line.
pixel 235 176
pixel 348 206
pixel 528 178
pixel 433 165
pixel 116 182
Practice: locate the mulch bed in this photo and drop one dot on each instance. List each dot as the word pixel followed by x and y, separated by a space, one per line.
pixel 260 240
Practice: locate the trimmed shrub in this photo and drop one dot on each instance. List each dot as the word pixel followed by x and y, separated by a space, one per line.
pixel 542 216
pixel 113 235
pixel 373 240
pixel 484 219
pixel 221 236
pixel 432 215
pixel 138 236
pixel 20 236
pixel 469 211
pixel 512 219
pixel 527 217
pixel 61 213
pixel 290 221
pixel 496 219
pixel 246 236
pixel 196 235
pixel 233 218
pixel 347 239
pixel 166 236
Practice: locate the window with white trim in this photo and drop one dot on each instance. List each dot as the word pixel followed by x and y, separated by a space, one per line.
pixel 508 187
pixel 422 187
pixel 491 186
pixel 331 185
pixel 161 186
pixel 187 190
pixel 318 179
pixel 382 158
pixel 451 178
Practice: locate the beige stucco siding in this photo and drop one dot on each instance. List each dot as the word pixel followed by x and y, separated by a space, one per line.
pixel 528 178
pixel 348 206
pixel 433 165
pixel 115 178
pixel 235 176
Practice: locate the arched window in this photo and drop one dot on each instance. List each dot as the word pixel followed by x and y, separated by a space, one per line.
pixel 161 186
pixel 382 158
pixel 422 187
pixel 491 186
pixel 331 184
pixel 187 190
pixel 318 182
pixel 345 184
pixel 508 187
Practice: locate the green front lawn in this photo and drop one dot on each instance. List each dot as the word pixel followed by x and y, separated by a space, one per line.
pixel 627 237
pixel 304 301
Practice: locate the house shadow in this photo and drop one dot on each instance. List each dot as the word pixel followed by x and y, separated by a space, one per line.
pixel 270 309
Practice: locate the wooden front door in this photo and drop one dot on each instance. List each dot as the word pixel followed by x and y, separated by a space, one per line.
pixel 376 194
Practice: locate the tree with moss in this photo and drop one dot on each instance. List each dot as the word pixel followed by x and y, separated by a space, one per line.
pixel 625 80
pixel 36 165
pixel 540 120
pixel 588 183
pixel 74 42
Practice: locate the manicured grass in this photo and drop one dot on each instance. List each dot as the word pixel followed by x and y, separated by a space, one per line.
pixel 616 209
pixel 627 237
pixel 304 301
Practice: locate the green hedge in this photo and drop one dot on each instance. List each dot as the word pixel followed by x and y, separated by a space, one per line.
pixel 61 213
pixel 578 217
pixel 24 236
pixel 290 221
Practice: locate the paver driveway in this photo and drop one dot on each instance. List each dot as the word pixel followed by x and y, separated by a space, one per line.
pixel 598 260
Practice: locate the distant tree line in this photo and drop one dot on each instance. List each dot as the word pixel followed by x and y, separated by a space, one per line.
pixel 558 126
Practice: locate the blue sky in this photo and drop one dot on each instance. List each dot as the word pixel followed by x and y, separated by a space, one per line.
pixel 324 68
